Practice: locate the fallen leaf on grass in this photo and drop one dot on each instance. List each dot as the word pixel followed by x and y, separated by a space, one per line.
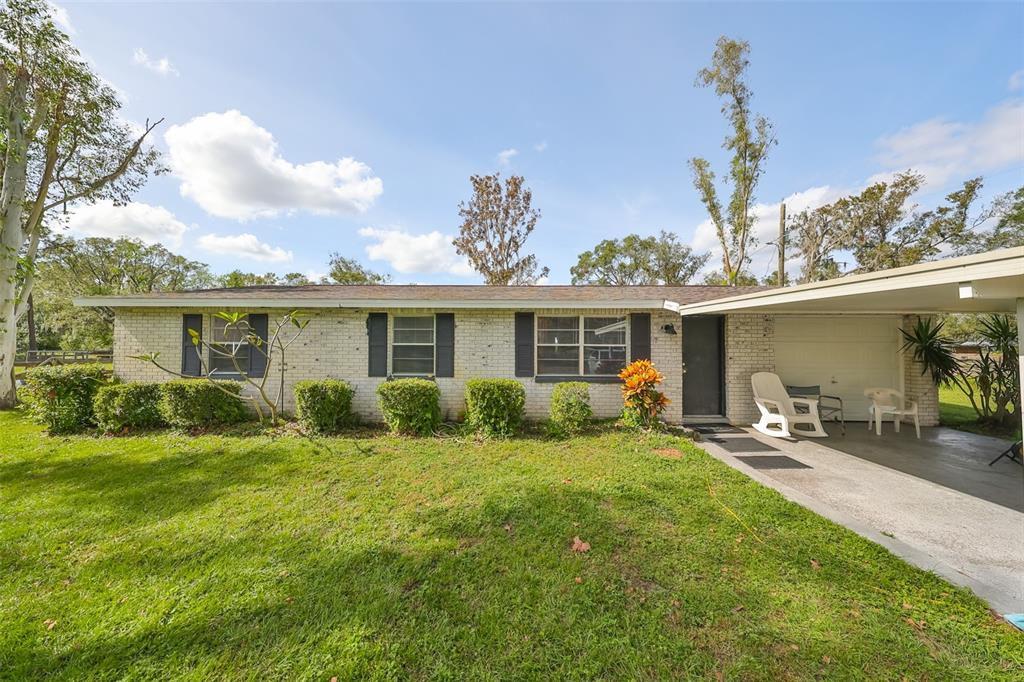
pixel 49 623
pixel 566 481
pixel 737 609
pixel 815 564
pixel 826 659
pixel 580 546
pixel 907 606
pixel 579 580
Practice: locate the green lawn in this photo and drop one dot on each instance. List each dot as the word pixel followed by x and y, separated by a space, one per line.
pixel 955 411
pixel 169 556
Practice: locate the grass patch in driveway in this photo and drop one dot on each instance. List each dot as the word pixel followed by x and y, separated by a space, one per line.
pixel 169 556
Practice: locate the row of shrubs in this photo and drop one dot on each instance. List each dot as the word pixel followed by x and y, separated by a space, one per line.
pixel 69 399
pixel 494 407
pixel 73 398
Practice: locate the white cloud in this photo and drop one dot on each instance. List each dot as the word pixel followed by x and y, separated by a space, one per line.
pixel 1016 81
pixel 161 66
pixel 61 18
pixel 243 245
pixel 232 168
pixel 151 224
pixel 943 150
pixel 505 156
pixel 540 146
pixel 430 253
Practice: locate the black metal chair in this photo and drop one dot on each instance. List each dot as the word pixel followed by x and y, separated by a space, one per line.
pixel 828 405
pixel 1012 453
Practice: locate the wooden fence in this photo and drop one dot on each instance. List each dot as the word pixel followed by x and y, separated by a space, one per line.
pixel 34 358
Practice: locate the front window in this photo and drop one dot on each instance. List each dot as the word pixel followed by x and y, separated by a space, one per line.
pixel 412 346
pixel 600 352
pixel 228 347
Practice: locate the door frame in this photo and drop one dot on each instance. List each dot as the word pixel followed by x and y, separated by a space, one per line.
pixel 720 416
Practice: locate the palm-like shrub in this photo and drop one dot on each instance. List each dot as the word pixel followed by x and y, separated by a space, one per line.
pixel 991 382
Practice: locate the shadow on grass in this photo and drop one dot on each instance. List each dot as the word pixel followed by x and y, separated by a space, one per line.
pixel 146 489
pixel 488 589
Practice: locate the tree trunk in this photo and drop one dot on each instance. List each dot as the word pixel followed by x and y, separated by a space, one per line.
pixel 30 320
pixel 12 200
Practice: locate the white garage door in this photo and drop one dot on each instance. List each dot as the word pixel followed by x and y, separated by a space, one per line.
pixel 842 354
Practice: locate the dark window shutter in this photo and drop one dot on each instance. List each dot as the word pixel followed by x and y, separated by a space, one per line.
pixel 524 344
pixel 640 336
pixel 377 333
pixel 190 365
pixel 258 356
pixel 444 344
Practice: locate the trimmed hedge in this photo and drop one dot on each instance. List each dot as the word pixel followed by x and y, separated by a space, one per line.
pixel 190 403
pixel 410 406
pixel 570 407
pixel 323 405
pixel 494 407
pixel 127 406
pixel 60 396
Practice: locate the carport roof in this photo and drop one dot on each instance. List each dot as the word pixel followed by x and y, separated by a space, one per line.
pixel 983 283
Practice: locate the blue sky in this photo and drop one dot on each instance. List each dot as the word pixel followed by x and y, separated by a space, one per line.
pixel 294 130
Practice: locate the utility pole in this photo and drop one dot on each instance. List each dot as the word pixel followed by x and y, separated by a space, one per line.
pixel 782 244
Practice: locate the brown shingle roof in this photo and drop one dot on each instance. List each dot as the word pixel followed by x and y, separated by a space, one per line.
pixel 454 292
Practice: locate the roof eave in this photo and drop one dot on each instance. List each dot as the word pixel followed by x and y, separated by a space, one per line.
pixel 979 267
pixel 307 303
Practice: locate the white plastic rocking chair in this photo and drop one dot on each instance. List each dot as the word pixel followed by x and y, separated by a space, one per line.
pixel 890 401
pixel 778 414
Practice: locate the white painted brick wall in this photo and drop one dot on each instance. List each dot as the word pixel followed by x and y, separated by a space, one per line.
pixel 919 386
pixel 749 348
pixel 335 345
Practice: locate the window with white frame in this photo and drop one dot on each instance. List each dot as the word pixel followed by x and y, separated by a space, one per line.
pixel 580 345
pixel 412 346
pixel 229 341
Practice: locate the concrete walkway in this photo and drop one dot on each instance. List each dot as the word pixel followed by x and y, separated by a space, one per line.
pixel 934 502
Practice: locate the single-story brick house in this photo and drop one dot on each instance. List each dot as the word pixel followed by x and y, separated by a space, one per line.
pixel 842 334
pixel 539 335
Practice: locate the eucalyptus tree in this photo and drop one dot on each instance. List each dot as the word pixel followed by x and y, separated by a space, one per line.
pixel 62 143
pixel 749 141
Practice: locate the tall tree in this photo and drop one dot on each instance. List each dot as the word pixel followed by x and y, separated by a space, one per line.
pixel 638 260
pixel 817 234
pixel 63 143
pixel 881 228
pixel 1007 212
pixel 67 268
pixel 350 271
pixel 495 225
pixel 749 142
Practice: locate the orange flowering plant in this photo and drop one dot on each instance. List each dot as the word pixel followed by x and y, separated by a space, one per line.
pixel 644 403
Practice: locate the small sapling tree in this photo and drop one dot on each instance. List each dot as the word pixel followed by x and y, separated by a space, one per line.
pixel 286 330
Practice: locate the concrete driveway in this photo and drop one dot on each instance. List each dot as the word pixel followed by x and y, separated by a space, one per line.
pixel 934 502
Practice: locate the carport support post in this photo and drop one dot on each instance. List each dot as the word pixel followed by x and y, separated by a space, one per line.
pixel 1020 358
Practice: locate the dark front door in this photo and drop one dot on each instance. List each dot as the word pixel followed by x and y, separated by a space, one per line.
pixel 703 361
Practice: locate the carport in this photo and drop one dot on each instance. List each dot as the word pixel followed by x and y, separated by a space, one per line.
pixel 934 502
